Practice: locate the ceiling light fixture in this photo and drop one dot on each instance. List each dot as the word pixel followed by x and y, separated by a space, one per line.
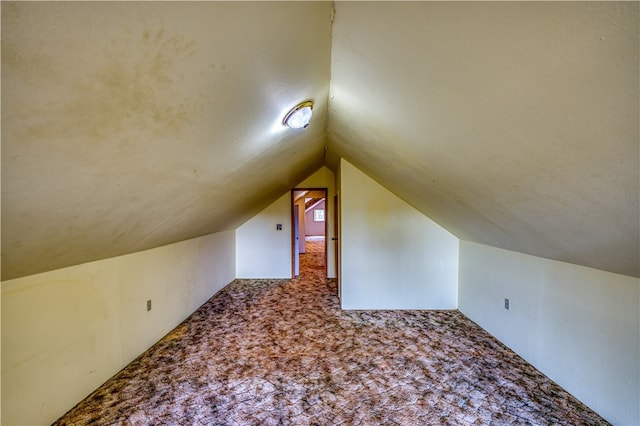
pixel 299 116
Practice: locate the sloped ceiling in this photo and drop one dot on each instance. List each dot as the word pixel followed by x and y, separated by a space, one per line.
pixel 510 124
pixel 127 126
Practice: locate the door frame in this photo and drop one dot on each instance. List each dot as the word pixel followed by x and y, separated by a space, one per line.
pixel 326 227
pixel 334 238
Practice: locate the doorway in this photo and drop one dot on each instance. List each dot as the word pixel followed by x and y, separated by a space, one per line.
pixel 309 226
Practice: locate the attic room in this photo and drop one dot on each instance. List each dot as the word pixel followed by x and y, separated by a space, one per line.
pixel 482 160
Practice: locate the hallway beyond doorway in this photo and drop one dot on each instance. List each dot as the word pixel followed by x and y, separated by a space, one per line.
pixel 314 258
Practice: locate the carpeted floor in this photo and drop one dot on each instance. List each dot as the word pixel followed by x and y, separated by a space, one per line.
pixel 281 352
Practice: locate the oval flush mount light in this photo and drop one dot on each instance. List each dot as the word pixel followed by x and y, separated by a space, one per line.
pixel 299 116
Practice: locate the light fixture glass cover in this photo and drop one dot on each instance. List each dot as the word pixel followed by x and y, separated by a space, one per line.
pixel 299 116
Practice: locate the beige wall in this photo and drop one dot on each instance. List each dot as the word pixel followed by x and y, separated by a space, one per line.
pixel 65 332
pixel 579 326
pixel 392 256
pixel 264 252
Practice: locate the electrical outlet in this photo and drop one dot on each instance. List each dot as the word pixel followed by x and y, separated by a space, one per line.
pixel 506 303
pixel 148 305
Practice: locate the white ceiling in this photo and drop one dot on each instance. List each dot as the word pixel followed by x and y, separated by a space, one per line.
pixel 127 126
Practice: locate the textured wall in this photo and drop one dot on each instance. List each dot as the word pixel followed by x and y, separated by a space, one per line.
pixel 67 331
pixel 264 252
pixel 579 326
pixel 392 256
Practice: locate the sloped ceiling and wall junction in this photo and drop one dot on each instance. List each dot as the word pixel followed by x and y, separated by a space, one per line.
pixel 127 126
pixel 512 124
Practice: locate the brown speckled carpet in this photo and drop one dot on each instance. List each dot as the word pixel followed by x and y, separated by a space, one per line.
pixel 281 352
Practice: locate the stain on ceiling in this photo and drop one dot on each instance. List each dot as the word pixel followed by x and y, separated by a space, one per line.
pixel 127 126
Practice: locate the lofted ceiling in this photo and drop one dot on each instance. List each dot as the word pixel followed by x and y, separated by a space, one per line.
pixel 130 125
pixel 510 124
